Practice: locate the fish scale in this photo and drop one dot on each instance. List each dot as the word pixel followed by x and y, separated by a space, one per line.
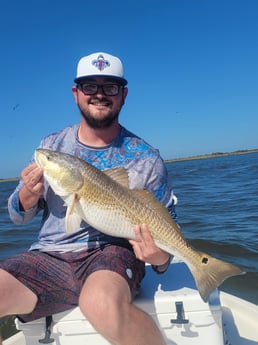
pixel 103 200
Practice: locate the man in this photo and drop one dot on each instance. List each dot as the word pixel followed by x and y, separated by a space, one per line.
pixel 96 271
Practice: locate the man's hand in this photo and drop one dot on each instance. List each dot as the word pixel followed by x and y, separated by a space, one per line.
pixel 32 177
pixel 145 249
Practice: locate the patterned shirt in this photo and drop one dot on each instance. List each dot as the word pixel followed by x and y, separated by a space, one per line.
pixel 146 170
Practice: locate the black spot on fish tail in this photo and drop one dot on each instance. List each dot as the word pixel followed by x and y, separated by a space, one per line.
pixel 205 260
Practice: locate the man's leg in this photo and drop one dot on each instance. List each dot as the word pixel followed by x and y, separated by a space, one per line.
pixel 105 300
pixel 15 297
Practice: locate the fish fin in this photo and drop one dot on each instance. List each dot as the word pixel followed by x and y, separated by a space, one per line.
pixel 120 175
pixel 72 219
pixel 210 273
pixel 149 199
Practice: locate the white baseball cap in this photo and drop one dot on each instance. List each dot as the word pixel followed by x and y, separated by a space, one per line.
pixel 100 64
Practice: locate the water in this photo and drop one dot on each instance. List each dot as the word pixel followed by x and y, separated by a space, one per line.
pixel 13 239
pixel 218 213
pixel 217 210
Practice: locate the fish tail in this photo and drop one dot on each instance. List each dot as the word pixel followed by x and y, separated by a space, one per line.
pixel 209 273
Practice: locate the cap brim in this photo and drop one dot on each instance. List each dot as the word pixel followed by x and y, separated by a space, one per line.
pixel 121 81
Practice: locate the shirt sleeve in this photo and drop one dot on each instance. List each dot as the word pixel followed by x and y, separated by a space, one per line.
pixel 162 268
pixel 159 185
pixel 18 216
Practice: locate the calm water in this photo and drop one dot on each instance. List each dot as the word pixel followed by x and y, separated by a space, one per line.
pixel 217 210
pixel 218 213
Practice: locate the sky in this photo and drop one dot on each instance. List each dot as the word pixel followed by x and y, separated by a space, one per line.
pixel 192 68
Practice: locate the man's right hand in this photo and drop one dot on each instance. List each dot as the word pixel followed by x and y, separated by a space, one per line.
pixel 33 188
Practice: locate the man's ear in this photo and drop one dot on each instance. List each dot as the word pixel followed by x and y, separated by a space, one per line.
pixel 75 93
pixel 125 92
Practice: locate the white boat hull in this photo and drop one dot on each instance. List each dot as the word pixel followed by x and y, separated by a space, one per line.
pixel 240 320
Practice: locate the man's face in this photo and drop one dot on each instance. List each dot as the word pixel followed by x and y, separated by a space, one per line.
pixel 99 100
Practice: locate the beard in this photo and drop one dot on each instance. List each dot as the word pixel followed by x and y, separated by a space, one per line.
pixel 99 123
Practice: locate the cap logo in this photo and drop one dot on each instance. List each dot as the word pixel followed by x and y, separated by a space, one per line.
pixel 100 63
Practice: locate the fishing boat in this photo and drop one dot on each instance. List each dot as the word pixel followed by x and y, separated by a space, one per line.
pixel 172 299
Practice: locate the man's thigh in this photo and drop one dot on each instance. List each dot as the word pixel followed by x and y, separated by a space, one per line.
pixel 46 276
pixel 15 297
pixel 119 260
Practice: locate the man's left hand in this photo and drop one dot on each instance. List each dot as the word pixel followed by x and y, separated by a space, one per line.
pixel 145 248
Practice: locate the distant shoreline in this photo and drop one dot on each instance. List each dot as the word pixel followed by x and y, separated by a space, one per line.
pixel 9 179
pixel 210 155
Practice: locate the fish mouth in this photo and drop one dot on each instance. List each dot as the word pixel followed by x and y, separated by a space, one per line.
pixel 36 157
pixel 39 158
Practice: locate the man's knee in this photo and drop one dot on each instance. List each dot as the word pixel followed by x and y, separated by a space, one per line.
pixel 106 316
pixel 105 301
pixel 97 303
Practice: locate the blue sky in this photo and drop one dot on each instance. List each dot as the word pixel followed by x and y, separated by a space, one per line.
pixel 192 67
